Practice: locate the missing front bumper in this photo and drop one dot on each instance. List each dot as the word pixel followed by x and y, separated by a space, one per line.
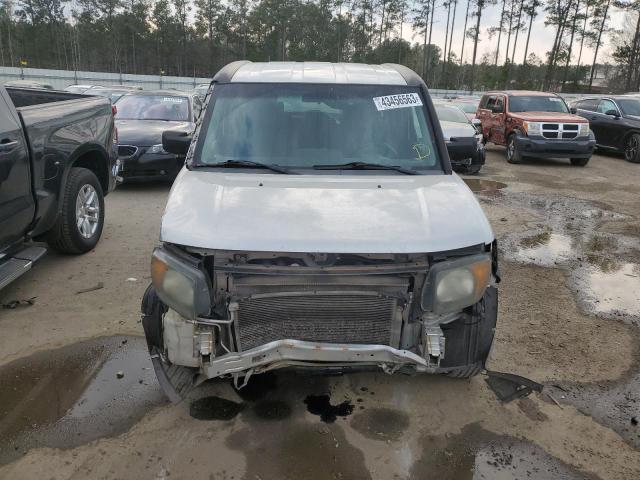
pixel 287 353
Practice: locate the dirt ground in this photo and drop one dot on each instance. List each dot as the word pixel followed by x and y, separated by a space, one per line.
pixel 78 398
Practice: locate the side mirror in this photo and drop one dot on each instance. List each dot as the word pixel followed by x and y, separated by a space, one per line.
pixel 477 123
pixel 612 112
pixel 497 109
pixel 573 110
pixel 176 142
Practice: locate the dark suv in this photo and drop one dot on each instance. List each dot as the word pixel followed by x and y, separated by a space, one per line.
pixel 615 121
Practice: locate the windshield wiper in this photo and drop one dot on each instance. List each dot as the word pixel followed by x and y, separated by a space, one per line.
pixel 365 166
pixel 246 164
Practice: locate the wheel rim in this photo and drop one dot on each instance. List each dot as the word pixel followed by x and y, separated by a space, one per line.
pixel 87 211
pixel 510 149
pixel 632 148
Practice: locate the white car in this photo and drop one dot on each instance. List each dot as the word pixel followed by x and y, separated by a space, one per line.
pixel 464 142
pixel 317 223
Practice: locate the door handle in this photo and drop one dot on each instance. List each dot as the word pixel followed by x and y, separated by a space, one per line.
pixel 8 146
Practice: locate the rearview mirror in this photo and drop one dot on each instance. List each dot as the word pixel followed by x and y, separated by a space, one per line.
pixel 176 142
pixel 612 112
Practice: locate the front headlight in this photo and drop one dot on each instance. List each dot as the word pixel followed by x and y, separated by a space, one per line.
pixel 532 128
pixel 181 286
pixel 157 149
pixel 456 284
pixel 584 130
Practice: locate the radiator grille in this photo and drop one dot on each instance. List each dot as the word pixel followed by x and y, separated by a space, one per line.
pixel 329 318
pixel 560 130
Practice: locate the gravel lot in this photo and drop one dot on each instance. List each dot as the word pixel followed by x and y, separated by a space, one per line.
pixel 569 318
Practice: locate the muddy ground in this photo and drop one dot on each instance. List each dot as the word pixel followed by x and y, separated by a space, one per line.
pixel 78 398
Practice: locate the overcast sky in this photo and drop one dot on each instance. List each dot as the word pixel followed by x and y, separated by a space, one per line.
pixel 541 36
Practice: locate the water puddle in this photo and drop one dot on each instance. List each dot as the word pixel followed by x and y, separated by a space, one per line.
pixel 478 454
pixel 614 292
pixel 477 185
pixel 69 396
pixel 545 249
pixel 214 408
pixel 381 423
pixel 613 404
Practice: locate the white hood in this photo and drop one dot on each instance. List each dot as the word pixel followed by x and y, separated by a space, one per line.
pixel 322 213
pixel 457 129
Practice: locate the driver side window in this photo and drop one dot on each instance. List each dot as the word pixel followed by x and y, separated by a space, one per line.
pixel 606 105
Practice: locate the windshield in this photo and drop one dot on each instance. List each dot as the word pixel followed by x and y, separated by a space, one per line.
pixel 153 107
pixel 537 103
pixel 467 107
pixel 448 113
pixel 305 125
pixel 629 106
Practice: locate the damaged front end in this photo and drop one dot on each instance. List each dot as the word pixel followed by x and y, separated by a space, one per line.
pixel 213 313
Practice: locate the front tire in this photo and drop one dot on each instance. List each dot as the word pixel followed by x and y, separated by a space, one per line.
pixel 473 169
pixel 579 162
pixel 632 148
pixel 468 340
pixel 79 225
pixel 513 155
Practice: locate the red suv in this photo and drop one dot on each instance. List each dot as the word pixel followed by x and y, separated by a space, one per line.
pixel 535 124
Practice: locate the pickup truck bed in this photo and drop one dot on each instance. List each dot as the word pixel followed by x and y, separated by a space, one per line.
pixel 49 142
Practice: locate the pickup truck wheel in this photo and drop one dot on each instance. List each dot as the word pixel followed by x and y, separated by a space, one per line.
pixel 580 162
pixel 80 223
pixel 513 155
pixel 632 148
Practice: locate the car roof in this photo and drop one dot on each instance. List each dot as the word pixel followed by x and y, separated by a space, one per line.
pixel 166 93
pixel 521 93
pixel 318 72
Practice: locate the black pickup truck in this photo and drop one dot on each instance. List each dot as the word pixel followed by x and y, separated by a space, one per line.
pixel 58 158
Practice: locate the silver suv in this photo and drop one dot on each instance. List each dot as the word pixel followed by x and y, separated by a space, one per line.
pixel 317 223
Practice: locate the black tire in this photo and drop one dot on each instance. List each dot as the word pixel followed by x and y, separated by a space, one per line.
pixel 65 236
pixel 469 339
pixel 176 381
pixel 632 148
pixel 580 162
pixel 472 169
pixel 513 155
pixel 465 372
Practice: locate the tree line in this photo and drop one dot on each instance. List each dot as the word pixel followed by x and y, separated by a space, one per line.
pixel 197 37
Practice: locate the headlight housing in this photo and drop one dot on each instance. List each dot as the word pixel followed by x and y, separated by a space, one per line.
pixel 157 149
pixel 532 128
pixel 456 284
pixel 180 285
pixel 584 130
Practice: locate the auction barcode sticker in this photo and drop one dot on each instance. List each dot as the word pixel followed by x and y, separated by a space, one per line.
pixel 402 100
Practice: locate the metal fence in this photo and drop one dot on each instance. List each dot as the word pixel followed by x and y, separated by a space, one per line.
pixel 60 79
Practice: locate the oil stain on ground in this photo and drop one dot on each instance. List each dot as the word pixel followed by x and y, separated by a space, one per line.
pixel 295 451
pixel 321 405
pixel 475 453
pixel 381 423
pixel 69 396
